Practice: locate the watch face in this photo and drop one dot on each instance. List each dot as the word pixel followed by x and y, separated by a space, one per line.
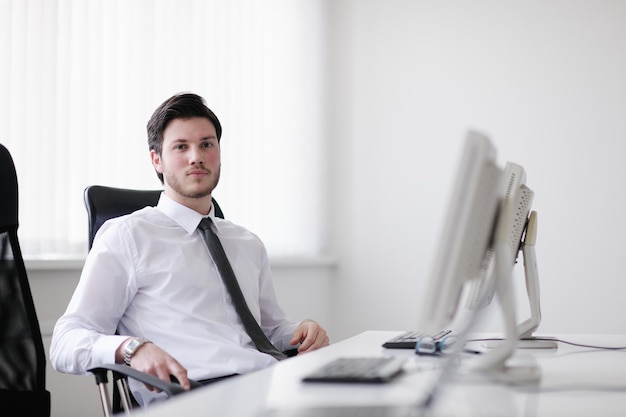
pixel 132 345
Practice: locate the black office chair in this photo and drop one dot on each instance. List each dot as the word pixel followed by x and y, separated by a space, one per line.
pixel 22 355
pixel 104 203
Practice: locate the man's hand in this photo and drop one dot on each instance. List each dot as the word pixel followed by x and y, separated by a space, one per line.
pixel 151 359
pixel 310 335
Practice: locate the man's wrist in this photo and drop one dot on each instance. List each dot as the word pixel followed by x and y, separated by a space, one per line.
pixel 132 346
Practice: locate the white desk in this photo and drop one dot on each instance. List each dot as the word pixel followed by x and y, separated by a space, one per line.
pixel 599 376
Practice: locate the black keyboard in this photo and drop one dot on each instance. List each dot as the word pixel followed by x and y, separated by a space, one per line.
pixel 372 369
pixel 407 340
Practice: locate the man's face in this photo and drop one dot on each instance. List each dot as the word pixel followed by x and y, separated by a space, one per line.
pixel 190 160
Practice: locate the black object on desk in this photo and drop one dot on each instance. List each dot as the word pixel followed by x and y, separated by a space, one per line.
pixel 407 340
pixel 373 369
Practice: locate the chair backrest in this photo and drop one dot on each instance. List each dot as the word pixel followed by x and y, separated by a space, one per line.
pixel 22 354
pixel 104 203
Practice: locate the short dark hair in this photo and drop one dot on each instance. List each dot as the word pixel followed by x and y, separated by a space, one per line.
pixel 179 106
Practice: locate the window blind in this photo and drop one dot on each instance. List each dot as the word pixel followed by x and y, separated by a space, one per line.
pixel 79 80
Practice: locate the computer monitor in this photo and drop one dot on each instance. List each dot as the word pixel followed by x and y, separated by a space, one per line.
pixel 478 246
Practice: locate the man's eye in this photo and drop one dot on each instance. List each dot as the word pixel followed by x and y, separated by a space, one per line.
pixel 207 144
pixel 179 147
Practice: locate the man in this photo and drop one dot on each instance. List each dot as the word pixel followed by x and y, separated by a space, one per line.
pixel 150 276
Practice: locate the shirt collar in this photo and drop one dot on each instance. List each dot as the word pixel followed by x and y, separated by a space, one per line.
pixel 185 217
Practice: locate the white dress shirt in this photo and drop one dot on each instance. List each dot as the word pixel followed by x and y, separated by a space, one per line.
pixel 150 274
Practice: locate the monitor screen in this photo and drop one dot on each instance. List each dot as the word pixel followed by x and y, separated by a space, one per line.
pixel 468 231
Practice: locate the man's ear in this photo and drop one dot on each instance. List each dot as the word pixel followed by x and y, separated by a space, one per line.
pixel 156 161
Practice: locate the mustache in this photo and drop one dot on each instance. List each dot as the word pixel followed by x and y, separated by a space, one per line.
pixel 195 170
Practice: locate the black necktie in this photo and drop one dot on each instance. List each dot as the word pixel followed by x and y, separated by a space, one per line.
pixel 228 276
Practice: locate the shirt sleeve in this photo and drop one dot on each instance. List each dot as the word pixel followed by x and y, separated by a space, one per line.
pixel 84 336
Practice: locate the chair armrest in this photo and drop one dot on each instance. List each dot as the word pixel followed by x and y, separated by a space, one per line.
pixel 170 388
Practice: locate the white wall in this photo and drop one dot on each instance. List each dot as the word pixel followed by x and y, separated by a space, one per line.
pixel 545 79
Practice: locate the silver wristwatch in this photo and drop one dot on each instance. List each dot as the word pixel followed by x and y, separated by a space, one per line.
pixel 132 346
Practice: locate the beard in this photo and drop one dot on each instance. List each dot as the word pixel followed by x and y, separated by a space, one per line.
pixel 193 189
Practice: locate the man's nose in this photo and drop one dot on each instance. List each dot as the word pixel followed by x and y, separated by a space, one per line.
pixel 196 156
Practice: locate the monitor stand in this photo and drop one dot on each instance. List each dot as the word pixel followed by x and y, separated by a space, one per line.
pixel 499 362
pixel 526 328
